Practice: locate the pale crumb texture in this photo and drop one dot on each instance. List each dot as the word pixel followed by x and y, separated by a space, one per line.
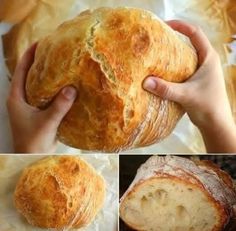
pixel 178 194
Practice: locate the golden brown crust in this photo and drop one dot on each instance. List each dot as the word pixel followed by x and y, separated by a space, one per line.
pixel 106 54
pixel 59 191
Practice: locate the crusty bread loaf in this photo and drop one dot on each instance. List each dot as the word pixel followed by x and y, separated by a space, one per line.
pixel 106 54
pixel 177 194
pixel 59 192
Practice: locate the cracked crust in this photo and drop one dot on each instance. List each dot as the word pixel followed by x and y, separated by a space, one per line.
pixel 106 54
pixel 59 192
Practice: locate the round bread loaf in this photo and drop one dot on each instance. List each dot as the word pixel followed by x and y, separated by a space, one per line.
pixel 59 192
pixel 177 194
pixel 106 54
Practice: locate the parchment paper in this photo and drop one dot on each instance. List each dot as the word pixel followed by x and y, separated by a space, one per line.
pixel 10 170
pixel 214 16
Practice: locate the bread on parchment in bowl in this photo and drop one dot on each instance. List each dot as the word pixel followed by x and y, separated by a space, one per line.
pixel 106 54
pixel 178 194
pixel 59 192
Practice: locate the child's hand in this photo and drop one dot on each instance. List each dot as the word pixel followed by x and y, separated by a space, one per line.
pixel 204 95
pixel 34 130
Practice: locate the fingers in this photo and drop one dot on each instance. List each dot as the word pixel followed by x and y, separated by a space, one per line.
pixel 166 90
pixel 22 68
pixel 60 106
pixel 195 34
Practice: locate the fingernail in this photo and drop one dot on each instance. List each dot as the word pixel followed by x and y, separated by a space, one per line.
pixel 149 84
pixel 69 92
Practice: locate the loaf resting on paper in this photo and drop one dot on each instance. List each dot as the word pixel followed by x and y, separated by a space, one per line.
pixel 59 192
pixel 106 54
pixel 178 194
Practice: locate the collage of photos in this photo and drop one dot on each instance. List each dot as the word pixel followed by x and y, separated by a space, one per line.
pixel 117 115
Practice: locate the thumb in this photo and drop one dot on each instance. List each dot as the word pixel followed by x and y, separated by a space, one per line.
pixel 164 89
pixel 60 106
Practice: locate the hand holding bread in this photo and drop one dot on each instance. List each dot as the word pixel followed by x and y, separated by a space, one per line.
pixel 106 54
pixel 34 130
pixel 204 95
pixel 106 59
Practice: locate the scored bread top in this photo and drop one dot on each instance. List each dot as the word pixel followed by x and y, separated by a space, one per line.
pixel 59 192
pixel 106 54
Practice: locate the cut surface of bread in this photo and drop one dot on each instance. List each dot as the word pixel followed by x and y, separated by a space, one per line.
pixel 174 194
pixel 169 205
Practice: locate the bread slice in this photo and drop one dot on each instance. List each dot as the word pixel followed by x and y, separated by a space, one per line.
pixel 177 194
